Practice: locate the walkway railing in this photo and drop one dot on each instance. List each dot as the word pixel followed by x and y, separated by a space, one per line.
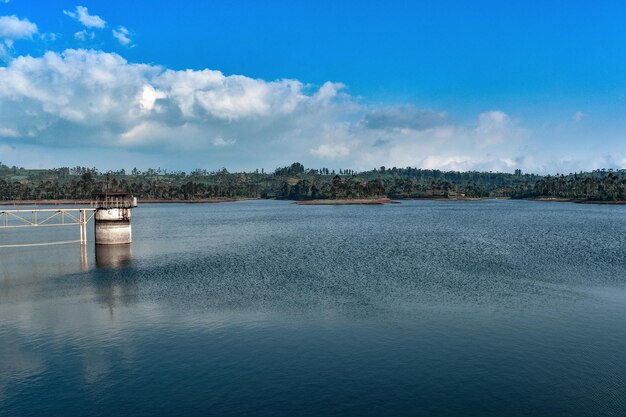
pixel 111 204
pixel 10 219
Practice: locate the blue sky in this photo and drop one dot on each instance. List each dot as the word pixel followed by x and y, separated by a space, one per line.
pixel 451 85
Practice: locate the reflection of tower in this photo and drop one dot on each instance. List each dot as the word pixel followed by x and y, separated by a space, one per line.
pixel 110 290
pixel 113 214
pixel 84 263
pixel 113 256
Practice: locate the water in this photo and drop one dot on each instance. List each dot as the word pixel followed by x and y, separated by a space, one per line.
pixel 267 308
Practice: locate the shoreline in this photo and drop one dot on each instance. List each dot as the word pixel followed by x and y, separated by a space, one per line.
pixel 610 203
pixel 325 202
pixel 575 201
pixel 196 201
pixel 451 199
pixel 346 202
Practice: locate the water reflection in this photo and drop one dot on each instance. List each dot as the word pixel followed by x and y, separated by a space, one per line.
pixel 84 259
pixel 113 256
pixel 114 292
pixel 39 265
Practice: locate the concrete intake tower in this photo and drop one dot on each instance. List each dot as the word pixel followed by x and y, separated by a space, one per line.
pixel 112 218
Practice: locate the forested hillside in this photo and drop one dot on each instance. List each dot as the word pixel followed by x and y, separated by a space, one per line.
pixel 298 183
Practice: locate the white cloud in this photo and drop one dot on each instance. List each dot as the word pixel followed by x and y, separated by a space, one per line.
pixel 328 91
pixel 122 35
pixel 13 28
pixel 578 116
pixel 94 97
pixel 149 96
pixel 8 133
pixel 331 151
pixel 48 37
pixel 492 142
pixel 84 34
pixel 493 127
pixel 82 15
pixel 221 142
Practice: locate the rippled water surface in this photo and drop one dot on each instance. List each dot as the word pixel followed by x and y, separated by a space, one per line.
pixel 267 308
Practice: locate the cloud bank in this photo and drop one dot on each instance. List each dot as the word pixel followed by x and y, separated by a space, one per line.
pixel 93 98
pixel 97 97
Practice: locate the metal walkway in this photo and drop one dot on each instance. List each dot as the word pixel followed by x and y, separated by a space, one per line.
pixel 10 219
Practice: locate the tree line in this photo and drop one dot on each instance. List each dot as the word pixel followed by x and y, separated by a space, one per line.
pixel 299 183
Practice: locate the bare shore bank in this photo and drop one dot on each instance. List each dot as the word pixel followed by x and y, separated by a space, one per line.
pixel 577 201
pixel 452 198
pixel 346 202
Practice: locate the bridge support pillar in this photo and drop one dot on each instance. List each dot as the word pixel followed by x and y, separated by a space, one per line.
pixel 82 225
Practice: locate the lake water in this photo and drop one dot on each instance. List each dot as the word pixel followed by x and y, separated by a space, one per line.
pixel 266 308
